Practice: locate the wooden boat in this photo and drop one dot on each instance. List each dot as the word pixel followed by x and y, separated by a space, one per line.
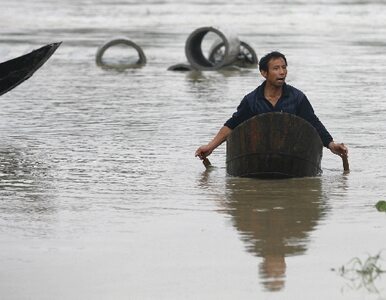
pixel 15 71
pixel 274 145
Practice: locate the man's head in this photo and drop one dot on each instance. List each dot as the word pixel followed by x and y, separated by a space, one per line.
pixel 263 63
pixel 273 67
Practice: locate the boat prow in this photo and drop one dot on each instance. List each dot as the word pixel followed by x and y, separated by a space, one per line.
pixel 17 70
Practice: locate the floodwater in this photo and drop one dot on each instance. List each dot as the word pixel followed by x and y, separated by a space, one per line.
pixel 101 196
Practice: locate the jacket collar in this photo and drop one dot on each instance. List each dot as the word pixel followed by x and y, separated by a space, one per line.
pixel 260 90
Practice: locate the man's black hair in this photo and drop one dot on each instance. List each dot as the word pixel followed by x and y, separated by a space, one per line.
pixel 263 63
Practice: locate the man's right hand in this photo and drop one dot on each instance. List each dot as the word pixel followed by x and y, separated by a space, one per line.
pixel 220 137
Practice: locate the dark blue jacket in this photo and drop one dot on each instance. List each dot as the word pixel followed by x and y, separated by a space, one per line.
pixel 292 101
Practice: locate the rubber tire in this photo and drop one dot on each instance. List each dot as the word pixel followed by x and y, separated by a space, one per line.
pixel 120 41
pixel 197 59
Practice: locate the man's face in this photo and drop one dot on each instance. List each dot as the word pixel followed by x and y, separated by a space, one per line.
pixel 277 72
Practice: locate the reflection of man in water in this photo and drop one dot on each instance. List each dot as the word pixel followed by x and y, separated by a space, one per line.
pixel 274 219
pixel 272 271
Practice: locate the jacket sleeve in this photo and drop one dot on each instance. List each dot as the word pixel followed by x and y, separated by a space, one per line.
pixel 242 114
pixel 306 112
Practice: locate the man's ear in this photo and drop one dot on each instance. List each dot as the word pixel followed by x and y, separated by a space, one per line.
pixel 264 73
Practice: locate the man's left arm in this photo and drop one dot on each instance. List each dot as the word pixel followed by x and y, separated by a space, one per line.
pixel 306 111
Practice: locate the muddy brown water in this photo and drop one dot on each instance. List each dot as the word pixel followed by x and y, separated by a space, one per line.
pixel 101 196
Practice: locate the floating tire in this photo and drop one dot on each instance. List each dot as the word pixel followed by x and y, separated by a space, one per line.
pixel 120 41
pixel 194 53
pixel 246 58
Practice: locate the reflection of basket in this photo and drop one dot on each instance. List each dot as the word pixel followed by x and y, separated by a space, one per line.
pixel 274 145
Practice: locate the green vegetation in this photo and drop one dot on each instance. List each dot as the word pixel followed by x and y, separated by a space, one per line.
pixel 362 274
pixel 381 205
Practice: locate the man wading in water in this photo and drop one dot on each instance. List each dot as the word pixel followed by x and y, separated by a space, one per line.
pixel 273 95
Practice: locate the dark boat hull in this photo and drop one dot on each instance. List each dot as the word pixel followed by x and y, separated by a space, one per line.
pixel 274 145
pixel 17 70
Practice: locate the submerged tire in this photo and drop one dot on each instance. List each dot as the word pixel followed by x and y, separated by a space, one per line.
pixel 181 67
pixel 246 58
pixel 120 41
pixel 194 53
